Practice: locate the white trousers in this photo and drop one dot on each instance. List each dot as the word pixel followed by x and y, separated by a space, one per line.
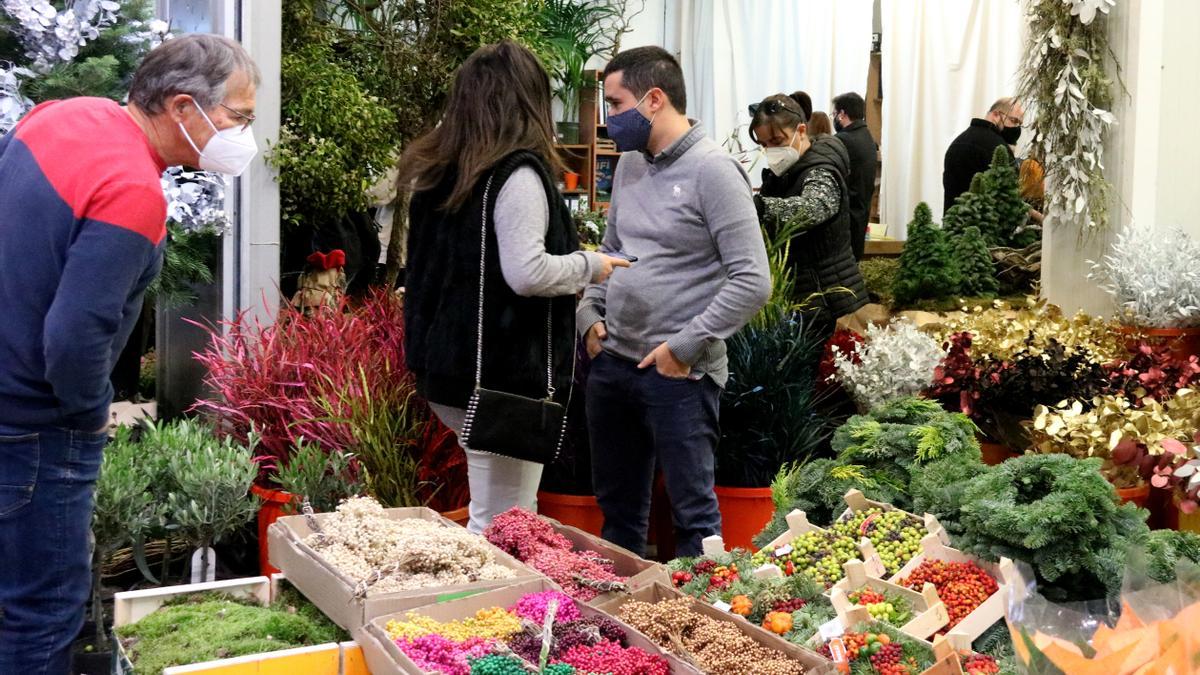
pixel 497 483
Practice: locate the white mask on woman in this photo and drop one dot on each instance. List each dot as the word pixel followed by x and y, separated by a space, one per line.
pixel 782 158
pixel 229 151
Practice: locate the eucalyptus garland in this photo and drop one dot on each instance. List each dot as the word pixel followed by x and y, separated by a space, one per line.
pixel 1064 81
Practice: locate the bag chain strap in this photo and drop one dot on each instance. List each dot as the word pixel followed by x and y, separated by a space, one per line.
pixel 487 191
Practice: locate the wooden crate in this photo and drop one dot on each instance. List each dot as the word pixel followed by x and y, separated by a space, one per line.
pixel 857 501
pixel 929 612
pixel 992 609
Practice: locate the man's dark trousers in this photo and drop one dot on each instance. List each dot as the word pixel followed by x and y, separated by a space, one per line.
pixel 638 418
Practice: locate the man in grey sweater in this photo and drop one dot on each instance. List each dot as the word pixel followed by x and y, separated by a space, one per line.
pixel 683 207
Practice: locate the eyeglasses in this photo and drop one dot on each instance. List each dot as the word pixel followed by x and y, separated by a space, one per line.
pixel 247 120
pixel 772 107
pixel 1012 121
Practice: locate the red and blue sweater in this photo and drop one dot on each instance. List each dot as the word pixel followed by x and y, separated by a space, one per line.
pixel 82 226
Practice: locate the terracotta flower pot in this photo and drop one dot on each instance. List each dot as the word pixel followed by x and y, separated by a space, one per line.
pixel 744 513
pixel 460 516
pixel 1184 522
pixel 274 505
pixel 579 511
pixel 1183 342
pixel 1139 495
pixel 570 180
pixel 995 453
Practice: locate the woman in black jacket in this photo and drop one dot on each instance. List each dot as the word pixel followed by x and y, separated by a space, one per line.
pixel 804 193
pixel 496 138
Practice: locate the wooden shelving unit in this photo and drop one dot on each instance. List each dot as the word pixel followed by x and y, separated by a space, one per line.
pixel 591 158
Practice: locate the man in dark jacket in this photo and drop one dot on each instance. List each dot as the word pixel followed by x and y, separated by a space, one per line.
pixel 849 111
pixel 971 152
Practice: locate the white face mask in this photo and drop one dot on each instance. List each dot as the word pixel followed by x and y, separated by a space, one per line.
pixel 782 158
pixel 229 151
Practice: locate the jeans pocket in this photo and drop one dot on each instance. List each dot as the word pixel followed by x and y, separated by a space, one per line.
pixel 19 458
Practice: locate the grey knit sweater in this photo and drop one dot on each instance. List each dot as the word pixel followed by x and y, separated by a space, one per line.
pixel 701 274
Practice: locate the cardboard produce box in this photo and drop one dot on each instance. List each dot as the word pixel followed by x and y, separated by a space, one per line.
pixel 384 657
pixel 333 592
pixel 813 662
pixel 641 572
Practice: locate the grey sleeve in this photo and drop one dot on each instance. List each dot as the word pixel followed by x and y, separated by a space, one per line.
pixel 732 221
pixel 591 308
pixel 522 218
pixel 819 200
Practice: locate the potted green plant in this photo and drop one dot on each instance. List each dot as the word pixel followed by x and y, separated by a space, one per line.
pixel 771 416
pixel 208 496
pixel 1135 444
pixel 1152 276
pixel 575 32
pixel 126 509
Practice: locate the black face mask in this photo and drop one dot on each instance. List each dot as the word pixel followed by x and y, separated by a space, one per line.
pixel 837 123
pixel 1011 135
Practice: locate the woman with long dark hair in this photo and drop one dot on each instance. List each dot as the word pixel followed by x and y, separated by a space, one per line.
pixel 804 192
pixel 490 163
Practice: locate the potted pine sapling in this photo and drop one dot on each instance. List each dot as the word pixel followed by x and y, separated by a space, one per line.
pixel 210 496
pixel 1155 282
pixel 126 508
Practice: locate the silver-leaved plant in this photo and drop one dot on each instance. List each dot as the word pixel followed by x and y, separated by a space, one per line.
pixel 896 360
pixel 1153 276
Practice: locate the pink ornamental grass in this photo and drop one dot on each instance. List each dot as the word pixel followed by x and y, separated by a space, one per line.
pixel 281 380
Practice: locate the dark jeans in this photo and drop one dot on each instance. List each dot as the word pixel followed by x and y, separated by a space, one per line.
pixel 46 481
pixel 637 418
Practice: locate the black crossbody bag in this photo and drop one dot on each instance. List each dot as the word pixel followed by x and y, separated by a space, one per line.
pixel 532 429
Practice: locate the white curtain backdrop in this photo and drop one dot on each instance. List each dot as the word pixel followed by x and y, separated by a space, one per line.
pixel 943 63
pixel 736 52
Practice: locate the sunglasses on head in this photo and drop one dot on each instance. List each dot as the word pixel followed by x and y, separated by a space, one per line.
pixel 772 107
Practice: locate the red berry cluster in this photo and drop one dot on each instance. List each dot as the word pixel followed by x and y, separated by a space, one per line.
pixel 866 597
pixel 533 541
pixel 887 661
pixel 980 664
pixel 722 577
pixel 790 605
pixel 962 586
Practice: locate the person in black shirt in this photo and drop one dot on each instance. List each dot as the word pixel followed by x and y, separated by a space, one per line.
pixel 971 152
pixel 849 111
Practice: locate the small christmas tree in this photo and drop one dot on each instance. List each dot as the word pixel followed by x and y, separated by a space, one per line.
pixel 974 208
pixel 927 266
pixel 976 269
pixel 1001 185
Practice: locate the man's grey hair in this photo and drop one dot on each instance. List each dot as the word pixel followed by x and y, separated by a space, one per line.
pixel 197 64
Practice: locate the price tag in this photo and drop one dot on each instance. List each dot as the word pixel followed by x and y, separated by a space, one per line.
pixel 831 629
pixel 783 550
pixel 723 606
